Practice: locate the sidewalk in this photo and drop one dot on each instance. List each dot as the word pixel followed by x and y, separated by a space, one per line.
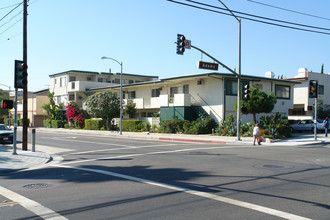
pixel 28 159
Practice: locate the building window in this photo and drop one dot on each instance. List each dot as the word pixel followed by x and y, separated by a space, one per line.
pixel 72 78
pixel 55 80
pixel 131 95
pixel 73 85
pixel 62 81
pixel 231 87
pixel 71 97
pixel 173 90
pixel 282 92
pixel 321 89
pixel 130 81
pixel 155 93
pixel 89 78
pixel 117 81
pixel 185 89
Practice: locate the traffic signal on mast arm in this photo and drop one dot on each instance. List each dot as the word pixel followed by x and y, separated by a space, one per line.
pixel 7 104
pixel 20 74
pixel 246 92
pixel 180 44
pixel 313 89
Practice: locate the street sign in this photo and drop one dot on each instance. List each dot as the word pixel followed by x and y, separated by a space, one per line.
pixel 207 65
pixel 187 44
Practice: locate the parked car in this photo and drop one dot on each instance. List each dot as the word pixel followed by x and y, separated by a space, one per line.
pixel 6 135
pixel 307 125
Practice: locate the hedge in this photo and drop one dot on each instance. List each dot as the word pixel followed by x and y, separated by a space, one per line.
pixel 93 124
pixel 57 123
pixel 6 121
pixel 131 125
pixel 47 123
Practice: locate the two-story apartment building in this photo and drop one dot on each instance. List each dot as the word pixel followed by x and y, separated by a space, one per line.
pixel 73 85
pixel 35 101
pixel 302 104
pixel 196 95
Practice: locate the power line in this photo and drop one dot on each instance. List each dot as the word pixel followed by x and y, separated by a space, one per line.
pixel 260 17
pixel 250 19
pixel 285 9
pixel 11 11
pixel 9 6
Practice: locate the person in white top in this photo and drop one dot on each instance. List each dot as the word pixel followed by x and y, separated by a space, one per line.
pixel 256 134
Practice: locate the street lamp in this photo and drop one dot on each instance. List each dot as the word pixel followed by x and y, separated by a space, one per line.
pixel 239 72
pixel 121 92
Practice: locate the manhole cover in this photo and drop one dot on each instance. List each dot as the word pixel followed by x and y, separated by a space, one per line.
pixel 272 166
pixel 36 186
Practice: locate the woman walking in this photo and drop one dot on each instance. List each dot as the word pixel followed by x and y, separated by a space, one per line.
pixel 256 134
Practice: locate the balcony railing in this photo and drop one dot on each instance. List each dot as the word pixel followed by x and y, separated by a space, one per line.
pixel 161 101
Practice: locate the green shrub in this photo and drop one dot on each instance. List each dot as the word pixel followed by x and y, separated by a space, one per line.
pixel 57 123
pixel 20 121
pixel 93 124
pixel 228 127
pixel 145 126
pixel 172 126
pixel 277 125
pixel 131 125
pixel 6 121
pixel 47 123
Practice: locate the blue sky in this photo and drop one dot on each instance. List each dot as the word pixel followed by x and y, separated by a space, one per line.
pixel 74 34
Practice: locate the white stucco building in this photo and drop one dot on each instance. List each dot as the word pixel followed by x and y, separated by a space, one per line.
pixel 303 105
pixel 73 85
pixel 211 94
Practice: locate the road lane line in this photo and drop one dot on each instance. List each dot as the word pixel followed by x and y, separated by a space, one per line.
pixel 126 147
pixel 150 153
pixel 263 209
pixel 31 205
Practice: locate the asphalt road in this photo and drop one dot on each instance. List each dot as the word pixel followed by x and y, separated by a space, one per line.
pixel 119 178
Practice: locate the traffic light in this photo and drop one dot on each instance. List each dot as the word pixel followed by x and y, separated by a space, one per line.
pixel 180 44
pixel 313 89
pixel 246 92
pixel 7 104
pixel 20 74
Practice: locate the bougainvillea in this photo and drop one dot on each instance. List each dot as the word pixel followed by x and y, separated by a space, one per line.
pixel 74 116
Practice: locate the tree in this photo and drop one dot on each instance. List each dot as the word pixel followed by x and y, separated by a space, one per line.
pixel 259 102
pixel 54 111
pixel 105 105
pixel 130 109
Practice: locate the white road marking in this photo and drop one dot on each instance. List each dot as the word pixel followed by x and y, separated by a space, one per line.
pixel 31 205
pixel 126 147
pixel 150 153
pixel 269 211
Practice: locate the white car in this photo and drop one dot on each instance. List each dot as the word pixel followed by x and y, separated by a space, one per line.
pixel 6 135
pixel 307 125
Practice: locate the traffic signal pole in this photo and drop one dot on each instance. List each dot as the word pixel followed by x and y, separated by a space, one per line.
pixel 315 122
pixel 25 88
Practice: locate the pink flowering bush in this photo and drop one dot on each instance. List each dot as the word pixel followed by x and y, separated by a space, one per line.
pixel 74 116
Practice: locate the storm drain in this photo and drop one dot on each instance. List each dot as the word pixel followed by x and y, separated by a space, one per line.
pixel 37 186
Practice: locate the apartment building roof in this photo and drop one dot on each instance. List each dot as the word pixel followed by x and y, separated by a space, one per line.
pixel 199 75
pixel 99 73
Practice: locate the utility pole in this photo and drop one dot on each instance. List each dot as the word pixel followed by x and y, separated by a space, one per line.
pixel 25 89
pixel 239 74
